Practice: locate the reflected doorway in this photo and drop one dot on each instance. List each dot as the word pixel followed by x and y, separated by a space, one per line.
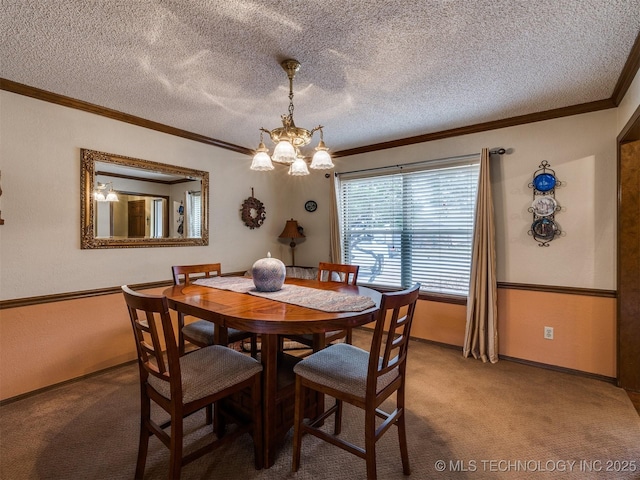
pixel 135 214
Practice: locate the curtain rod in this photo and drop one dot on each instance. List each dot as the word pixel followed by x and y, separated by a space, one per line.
pixel 495 151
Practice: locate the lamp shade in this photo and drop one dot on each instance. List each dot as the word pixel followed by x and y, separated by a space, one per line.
pixel 321 160
pixel 261 162
pixel 284 152
pixel 111 196
pixel 291 230
pixel 298 168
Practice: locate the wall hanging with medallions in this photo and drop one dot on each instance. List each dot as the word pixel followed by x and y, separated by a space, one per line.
pixel 252 212
pixel 544 206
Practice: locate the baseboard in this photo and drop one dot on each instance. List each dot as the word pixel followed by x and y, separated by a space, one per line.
pixel 65 382
pixel 556 368
pixel 531 363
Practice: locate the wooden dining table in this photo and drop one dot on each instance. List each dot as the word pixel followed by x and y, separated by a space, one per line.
pixel 270 319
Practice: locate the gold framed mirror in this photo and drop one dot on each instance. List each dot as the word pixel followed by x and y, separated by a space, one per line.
pixel 127 202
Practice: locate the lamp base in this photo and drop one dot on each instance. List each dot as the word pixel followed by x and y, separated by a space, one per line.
pixel 293 254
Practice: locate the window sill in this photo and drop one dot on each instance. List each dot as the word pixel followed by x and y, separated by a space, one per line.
pixel 431 297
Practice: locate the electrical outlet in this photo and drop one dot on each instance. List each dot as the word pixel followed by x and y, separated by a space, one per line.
pixel 548 333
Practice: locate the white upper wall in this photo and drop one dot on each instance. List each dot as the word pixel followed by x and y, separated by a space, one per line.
pixel 40 251
pixel 582 151
pixel 40 162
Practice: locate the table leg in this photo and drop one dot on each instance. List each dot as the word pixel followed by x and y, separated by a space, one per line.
pixel 269 356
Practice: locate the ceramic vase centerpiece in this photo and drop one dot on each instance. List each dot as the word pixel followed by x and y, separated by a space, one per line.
pixel 268 274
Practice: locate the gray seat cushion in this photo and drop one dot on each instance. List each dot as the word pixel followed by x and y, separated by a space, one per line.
pixel 209 370
pixel 342 367
pixel 202 331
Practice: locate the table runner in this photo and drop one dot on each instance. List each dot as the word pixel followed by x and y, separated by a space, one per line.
pixel 324 300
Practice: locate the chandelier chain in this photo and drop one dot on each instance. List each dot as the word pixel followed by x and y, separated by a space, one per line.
pixel 291 96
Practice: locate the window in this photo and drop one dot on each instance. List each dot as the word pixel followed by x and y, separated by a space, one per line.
pixel 194 214
pixel 158 227
pixel 411 227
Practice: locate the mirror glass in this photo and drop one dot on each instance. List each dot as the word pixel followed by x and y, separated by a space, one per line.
pixel 129 202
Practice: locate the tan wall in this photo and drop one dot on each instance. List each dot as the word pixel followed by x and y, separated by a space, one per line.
pixel 42 345
pixel 584 330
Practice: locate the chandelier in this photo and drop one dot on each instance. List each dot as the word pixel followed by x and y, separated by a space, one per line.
pixel 288 139
pixel 99 195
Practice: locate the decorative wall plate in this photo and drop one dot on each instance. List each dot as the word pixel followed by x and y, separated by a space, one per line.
pixel 544 229
pixel 544 182
pixel 543 206
pixel 310 206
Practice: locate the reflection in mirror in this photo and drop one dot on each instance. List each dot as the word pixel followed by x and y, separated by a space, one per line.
pixel 127 202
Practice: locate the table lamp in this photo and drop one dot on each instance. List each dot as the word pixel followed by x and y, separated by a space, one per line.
pixel 292 231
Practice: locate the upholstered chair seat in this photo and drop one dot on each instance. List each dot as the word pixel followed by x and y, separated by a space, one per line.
pixel 201 332
pixel 342 367
pixel 209 370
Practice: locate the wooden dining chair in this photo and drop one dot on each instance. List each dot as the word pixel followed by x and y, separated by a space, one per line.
pixel 181 385
pixel 330 272
pixel 202 332
pixel 363 379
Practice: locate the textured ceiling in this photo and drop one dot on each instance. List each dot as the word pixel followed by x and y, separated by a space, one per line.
pixel 372 70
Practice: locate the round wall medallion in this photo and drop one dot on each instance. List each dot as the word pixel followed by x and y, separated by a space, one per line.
pixel 310 206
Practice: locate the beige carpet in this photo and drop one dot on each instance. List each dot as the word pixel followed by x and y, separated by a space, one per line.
pixel 482 421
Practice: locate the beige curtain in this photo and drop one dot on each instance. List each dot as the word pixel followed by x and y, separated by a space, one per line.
pixel 335 246
pixel 481 334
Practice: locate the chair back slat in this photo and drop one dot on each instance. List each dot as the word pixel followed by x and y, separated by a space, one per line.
pixel 188 273
pixel 346 273
pixel 153 331
pixel 389 348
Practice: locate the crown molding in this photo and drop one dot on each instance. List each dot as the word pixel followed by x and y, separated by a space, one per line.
pixel 625 79
pixel 483 127
pixel 628 73
pixel 21 89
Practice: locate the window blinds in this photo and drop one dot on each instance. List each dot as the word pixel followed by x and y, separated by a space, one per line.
pixel 409 227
